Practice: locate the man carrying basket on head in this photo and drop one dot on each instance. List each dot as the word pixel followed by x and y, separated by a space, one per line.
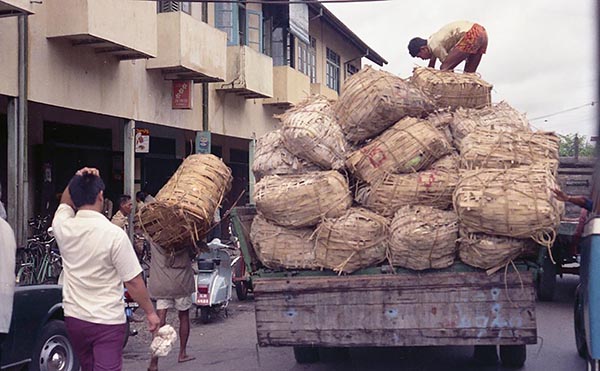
pixel 456 42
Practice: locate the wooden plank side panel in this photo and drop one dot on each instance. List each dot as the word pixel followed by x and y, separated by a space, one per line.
pixel 391 337
pixel 465 308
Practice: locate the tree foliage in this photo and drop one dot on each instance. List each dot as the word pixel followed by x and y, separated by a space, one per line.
pixel 567 145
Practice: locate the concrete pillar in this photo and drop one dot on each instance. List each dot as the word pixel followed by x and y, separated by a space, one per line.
pixel 11 176
pixel 129 168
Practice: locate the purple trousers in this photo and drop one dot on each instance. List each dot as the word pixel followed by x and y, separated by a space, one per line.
pixel 98 347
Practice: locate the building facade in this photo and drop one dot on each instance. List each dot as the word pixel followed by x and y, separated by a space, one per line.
pixel 82 79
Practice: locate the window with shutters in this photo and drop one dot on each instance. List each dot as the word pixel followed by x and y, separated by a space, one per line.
pixel 174 6
pixel 332 74
pixel 243 26
pixel 312 60
pixel 302 57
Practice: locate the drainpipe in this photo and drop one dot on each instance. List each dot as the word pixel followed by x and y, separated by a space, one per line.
pixel 22 208
pixel 205 84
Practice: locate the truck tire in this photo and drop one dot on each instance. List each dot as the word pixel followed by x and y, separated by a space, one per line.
pixel 546 282
pixel 53 350
pixel 241 290
pixel 580 340
pixel 513 356
pixel 306 354
pixel 486 355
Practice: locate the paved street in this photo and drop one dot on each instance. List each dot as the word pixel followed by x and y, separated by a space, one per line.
pixel 230 344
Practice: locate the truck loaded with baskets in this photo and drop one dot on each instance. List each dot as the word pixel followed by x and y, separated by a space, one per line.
pixel 407 213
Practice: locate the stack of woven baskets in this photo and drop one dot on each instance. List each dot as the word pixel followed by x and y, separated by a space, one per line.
pixel 415 172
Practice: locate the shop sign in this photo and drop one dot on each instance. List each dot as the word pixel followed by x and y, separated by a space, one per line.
pixel 182 94
pixel 142 140
pixel 203 142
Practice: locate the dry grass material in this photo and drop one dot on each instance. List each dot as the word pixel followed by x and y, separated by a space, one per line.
pixel 453 90
pixel 272 158
pixel 185 207
pixel 432 187
pixel 282 248
pixel 302 200
pixel 492 252
pixel 310 131
pixel 408 146
pixel 502 150
pixel 356 240
pixel 442 120
pixel 423 237
pixel 499 117
pixel 374 100
pixel 515 202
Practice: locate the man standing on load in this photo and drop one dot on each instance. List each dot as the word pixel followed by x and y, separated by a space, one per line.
pixel 456 42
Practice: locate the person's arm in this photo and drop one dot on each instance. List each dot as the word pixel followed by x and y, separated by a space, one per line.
pixel 432 61
pixel 138 291
pixel 580 201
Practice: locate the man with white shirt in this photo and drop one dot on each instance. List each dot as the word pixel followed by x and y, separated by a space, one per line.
pixel 97 259
pixel 456 42
pixel 8 250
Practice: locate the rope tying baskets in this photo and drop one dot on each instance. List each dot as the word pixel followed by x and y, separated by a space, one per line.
pixel 422 237
pixel 373 100
pixel 433 187
pixel 279 247
pixel 453 90
pixel 311 132
pixel 410 145
pixel 356 240
pixel 499 117
pixel 302 200
pixel 491 252
pixel 515 202
pixel 500 150
pixel 185 206
pixel 272 158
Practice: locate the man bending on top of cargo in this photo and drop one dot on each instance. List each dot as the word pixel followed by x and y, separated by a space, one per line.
pixel 456 42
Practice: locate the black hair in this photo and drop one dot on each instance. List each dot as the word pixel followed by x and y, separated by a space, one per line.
pixel 123 199
pixel 415 45
pixel 84 189
pixel 141 195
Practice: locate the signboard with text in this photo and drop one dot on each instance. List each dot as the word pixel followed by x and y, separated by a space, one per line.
pixel 142 141
pixel 182 94
pixel 203 142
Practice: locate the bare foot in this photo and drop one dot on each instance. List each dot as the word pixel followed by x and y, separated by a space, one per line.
pixel 186 358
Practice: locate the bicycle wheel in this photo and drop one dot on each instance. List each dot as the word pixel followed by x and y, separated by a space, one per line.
pixel 25 275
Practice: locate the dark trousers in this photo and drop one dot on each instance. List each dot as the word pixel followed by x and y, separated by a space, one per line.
pixel 98 347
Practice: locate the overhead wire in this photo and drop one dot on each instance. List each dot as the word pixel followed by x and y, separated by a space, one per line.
pixel 591 104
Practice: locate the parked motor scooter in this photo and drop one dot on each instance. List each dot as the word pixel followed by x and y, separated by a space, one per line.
pixel 130 306
pixel 214 279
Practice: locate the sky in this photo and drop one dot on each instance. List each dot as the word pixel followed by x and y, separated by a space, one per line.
pixel 541 55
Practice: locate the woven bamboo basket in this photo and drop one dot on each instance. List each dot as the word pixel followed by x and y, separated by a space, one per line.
pixel 272 158
pixel 432 187
pixel 408 146
pixel 499 117
pixel 282 248
pixel 302 200
pixel 492 252
pixel 514 202
pixel 310 131
pixel 185 206
pixel 453 90
pixel 423 237
pixel 501 150
pixel 355 240
pixel 374 100
pixel 442 120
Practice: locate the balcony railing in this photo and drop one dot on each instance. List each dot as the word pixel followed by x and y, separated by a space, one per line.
pixel 249 73
pixel 189 49
pixel 321 89
pixel 123 28
pixel 289 87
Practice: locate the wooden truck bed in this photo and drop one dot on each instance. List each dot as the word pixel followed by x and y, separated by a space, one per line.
pixel 406 309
